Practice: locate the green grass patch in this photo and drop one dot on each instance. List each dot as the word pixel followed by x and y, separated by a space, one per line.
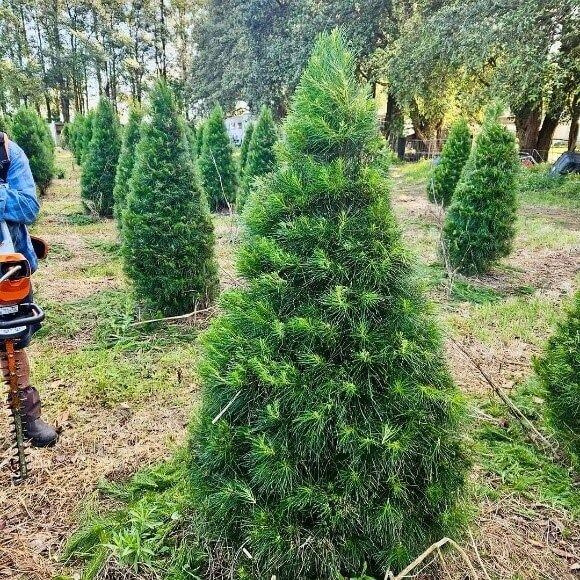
pixel 143 535
pixel 416 172
pixel 542 233
pixel 525 317
pixel 537 187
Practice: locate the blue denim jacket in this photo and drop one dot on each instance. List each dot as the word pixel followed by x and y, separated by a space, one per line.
pixel 18 203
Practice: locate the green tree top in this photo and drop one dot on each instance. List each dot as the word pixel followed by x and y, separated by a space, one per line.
pixel 453 157
pixel 260 154
pixel 328 436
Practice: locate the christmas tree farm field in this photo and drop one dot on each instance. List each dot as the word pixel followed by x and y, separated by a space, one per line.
pixel 114 502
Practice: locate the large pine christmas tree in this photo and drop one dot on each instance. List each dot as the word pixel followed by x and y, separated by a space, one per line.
pixel 216 163
pixel 480 225
pixel 559 371
pixel 168 239
pixel 328 434
pixel 31 132
pixel 260 155
pixel 100 160
pixel 453 157
pixel 126 161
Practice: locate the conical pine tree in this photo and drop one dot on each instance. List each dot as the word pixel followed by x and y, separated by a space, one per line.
pixel 480 224
pixel 100 160
pixel 75 137
pixel 448 171
pixel 260 157
pixel 126 161
pixel 168 239
pixel 559 372
pixel 244 148
pixel 328 434
pixel 31 132
pixel 216 163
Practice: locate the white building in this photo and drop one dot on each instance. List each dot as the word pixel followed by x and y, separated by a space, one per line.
pixel 237 124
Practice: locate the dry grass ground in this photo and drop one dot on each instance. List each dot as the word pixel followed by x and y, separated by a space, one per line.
pixel 123 395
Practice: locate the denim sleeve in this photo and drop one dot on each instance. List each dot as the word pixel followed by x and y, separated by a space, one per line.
pixel 18 201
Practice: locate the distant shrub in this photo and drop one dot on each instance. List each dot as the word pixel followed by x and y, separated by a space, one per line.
pixel 31 133
pixel 245 146
pixel 559 372
pixel 448 171
pixel 480 224
pixel 168 237
pixel 216 163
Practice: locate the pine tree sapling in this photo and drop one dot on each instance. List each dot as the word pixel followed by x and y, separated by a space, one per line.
pixel 86 133
pixel 480 224
pixel 245 146
pixel 260 156
pixel 328 435
pixel 559 372
pixel 31 132
pixel 448 171
pixel 100 160
pixel 126 161
pixel 216 163
pixel 168 239
pixel 75 137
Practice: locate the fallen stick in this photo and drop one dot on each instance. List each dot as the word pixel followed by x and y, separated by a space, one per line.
pixel 170 318
pixel 515 411
pixel 435 547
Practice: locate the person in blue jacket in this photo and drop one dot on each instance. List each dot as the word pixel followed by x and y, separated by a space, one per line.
pixel 19 208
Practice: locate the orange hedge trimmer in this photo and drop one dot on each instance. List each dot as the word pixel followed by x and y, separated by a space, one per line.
pixel 17 313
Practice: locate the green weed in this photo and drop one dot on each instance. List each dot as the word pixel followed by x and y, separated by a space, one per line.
pixel 537 187
pixel 416 172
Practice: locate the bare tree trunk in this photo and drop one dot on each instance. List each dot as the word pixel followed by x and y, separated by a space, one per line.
pixel 528 121
pixel 573 134
pixel 546 133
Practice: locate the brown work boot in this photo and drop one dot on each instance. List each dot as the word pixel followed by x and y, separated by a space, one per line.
pixel 40 433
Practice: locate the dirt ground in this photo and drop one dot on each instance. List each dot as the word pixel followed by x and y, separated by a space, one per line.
pixel 509 540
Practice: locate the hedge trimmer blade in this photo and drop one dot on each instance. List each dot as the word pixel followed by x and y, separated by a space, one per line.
pixel 19 463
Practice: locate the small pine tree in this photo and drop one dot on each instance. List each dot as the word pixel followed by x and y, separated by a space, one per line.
pixel 559 372
pixel 168 239
pixel 126 161
pixel 328 436
pixel 260 156
pixel 216 163
pixel 31 132
pixel 480 224
pixel 100 160
pixel 245 146
pixel 453 157
pixel 75 137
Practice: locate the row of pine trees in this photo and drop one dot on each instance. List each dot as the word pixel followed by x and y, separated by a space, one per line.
pixel 160 180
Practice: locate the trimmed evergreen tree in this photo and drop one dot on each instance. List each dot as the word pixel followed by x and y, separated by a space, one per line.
pixel 260 156
pixel 31 133
pixel 245 146
pixel 168 238
pixel 86 133
pixel 448 171
pixel 216 163
pixel 328 434
pixel 100 160
pixel 559 372
pixel 480 224
pixel 126 161
pixel 75 137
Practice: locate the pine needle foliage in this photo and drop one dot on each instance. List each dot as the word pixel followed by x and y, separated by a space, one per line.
pixel 87 132
pixel 126 161
pixel 31 133
pixel 216 163
pixel 100 160
pixel 448 171
pixel 559 372
pixel 245 146
pixel 168 238
pixel 75 137
pixel 328 434
pixel 260 156
pixel 480 224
